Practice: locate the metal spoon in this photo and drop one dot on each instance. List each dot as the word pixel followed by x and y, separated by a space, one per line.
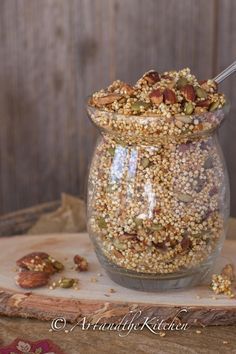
pixel 225 73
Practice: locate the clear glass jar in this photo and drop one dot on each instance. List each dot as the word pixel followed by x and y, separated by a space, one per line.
pixel 158 198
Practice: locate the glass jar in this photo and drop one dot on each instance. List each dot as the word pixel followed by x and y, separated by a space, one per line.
pixel 158 198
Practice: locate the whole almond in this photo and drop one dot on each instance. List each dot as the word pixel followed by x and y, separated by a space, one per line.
pixel 156 96
pixel 126 89
pixel 204 103
pixel 108 99
pixel 39 261
pixel 169 96
pixel 188 92
pixel 30 279
pixel 152 77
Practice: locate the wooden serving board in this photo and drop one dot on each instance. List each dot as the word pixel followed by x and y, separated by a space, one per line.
pixel 93 299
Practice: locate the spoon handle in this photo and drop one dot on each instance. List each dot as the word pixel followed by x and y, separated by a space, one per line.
pixel 225 73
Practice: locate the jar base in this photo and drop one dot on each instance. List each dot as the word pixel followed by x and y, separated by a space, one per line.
pixel 154 282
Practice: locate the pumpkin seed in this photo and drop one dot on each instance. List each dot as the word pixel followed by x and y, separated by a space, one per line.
pixel 184 119
pixel 138 105
pixel 111 151
pixel 120 246
pixel 183 197
pixel 66 282
pixel 200 92
pixel 58 266
pixel 156 227
pixel 138 222
pixel 101 223
pixel 208 163
pixel 145 162
pixel 181 82
pixel 213 106
pixel 188 108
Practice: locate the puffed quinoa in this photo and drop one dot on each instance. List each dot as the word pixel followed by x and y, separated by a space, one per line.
pixel 157 181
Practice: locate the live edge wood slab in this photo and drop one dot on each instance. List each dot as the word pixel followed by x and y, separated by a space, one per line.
pixel 94 300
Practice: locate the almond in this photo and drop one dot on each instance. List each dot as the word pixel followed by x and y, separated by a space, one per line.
pixel 152 77
pixel 39 262
pixel 188 92
pixel 156 96
pixel 31 279
pixel 169 96
pixel 204 103
pixel 126 89
pixel 108 99
pixel 81 263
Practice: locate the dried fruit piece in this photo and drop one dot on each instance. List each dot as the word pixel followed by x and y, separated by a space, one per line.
pixel 200 92
pixel 183 197
pixel 181 83
pixel 213 106
pixel 188 108
pixel 81 263
pixel 108 99
pixel 156 96
pixel 139 105
pixel 152 77
pixel 169 96
pixel 32 279
pixel 145 162
pixel 186 243
pixel 66 282
pixel 101 223
pixel 188 92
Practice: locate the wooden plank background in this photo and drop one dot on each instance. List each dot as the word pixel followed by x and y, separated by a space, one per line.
pixel 54 53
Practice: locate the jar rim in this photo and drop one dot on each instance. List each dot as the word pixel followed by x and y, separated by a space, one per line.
pixel 157 126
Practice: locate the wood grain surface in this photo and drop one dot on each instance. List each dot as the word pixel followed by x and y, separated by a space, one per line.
pixel 54 53
pixel 94 299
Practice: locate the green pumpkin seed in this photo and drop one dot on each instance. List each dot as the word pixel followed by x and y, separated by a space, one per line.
pixel 111 151
pixel 181 82
pixel 58 266
pixel 208 163
pixel 183 197
pixel 188 108
pixel 120 246
pixel 213 106
pixel 138 105
pixel 101 223
pixel 138 222
pixel 156 227
pixel 145 162
pixel 200 92
pixel 66 282
pixel 184 119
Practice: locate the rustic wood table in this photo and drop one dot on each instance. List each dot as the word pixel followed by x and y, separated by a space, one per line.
pixel 214 339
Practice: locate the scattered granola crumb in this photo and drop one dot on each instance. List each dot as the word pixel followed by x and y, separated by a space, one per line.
pixel 112 290
pixel 162 334
pixel 198 297
pixel 225 342
pixel 81 263
pixel 93 279
pixel 221 284
pixel 198 331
